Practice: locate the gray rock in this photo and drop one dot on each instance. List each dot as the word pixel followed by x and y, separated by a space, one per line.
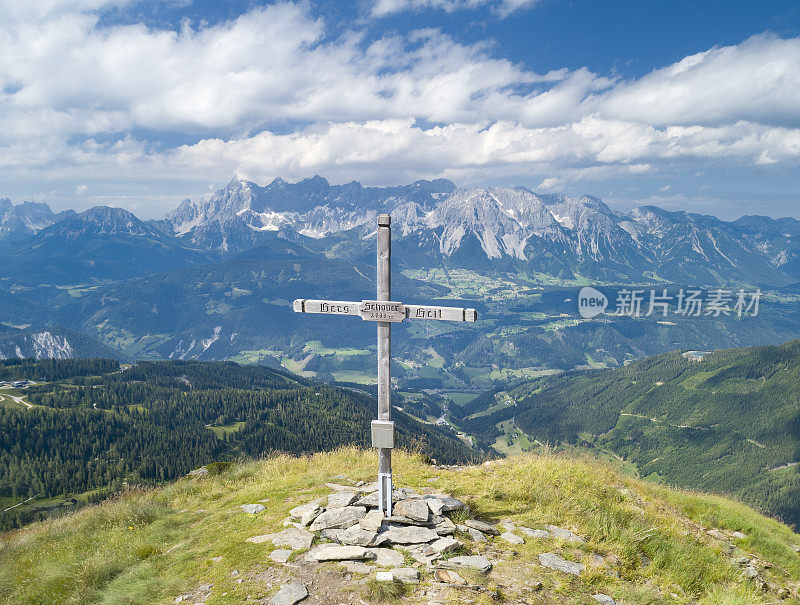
pixel 407 575
pixel 371 500
pixel 307 512
pixel 476 535
pixel 511 538
pixel 372 521
pixel 559 533
pixel 477 562
pixel 481 526
pixel 449 577
pixel 410 534
pixel 280 555
pixel 384 576
pixel 331 534
pixel 604 599
pixel 415 509
pixel 534 533
pixel 289 594
pixel 299 511
pixel 339 518
pixel 359 536
pixel 294 538
pixel 386 557
pixel 442 504
pixel 751 572
pixel 444 545
pixel 401 520
pixel 340 499
pixel 253 509
pixel 330 552
pixel 445 527
pixel 553 561
pixel 507 525
pixel 738 535
pixel 357 567
pixel 260 539
pixel 199 472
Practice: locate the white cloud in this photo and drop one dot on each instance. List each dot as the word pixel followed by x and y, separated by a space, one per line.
pixel 81 189
pixel 73 94
pixel 549 184
pixel 502 8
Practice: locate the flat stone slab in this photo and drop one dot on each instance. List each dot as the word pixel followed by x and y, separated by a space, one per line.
pixel 294 538
pixel 604 599
pixel 372 521
pixel 507 525
pixel 331 534
pixel 280 555
pixel 476 562
pixel 410 534
pixel 511 538
pixel 444 527
pixel 386 557
pixel 289 594
pixel 357 535
pixel 445 545
pixel 482 527
pixel 340 499
pixel 298 511
pixel 253 509
pixel 559 533
pixel 415 509
pixel 441 503
pixel 449 577
pixel 339 518
pixel 553 561
pixel 332 552
pixel 534 533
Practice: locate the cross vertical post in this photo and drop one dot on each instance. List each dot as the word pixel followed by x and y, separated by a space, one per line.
pixel 384 292
pixel 384 311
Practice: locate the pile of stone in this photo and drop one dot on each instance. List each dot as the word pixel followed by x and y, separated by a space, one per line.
pixel 346 526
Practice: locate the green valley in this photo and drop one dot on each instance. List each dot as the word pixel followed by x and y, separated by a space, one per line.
pixel 729 423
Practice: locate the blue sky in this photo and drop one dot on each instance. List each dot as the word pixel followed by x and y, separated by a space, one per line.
pixel 686 105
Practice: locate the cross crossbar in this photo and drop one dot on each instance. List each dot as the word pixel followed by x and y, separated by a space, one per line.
pixel 385 312
pixel 379 310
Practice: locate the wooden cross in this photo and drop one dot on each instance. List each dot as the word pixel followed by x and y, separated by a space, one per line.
pixel 385 311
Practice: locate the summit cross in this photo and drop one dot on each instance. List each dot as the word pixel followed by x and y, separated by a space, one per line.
pixel 384 311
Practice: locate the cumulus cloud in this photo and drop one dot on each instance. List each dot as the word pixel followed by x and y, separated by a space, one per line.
pixel 502 8
pixel 271 93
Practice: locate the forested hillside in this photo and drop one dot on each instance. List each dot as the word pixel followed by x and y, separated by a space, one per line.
pixel 94 431
pixel 729 423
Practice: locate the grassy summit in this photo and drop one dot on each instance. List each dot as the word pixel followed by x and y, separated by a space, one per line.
pixel 654 545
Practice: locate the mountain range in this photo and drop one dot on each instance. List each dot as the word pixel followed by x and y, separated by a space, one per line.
pixel 435 223
pixel 214 278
